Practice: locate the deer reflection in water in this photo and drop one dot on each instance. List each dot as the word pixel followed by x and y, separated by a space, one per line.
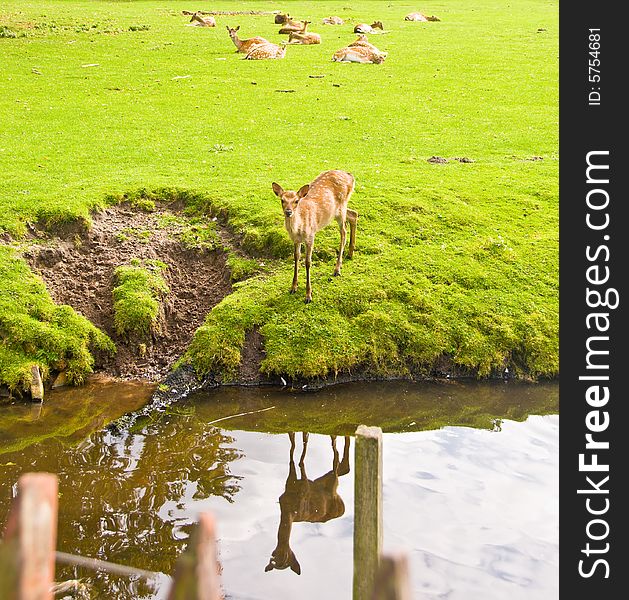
pixel 305 500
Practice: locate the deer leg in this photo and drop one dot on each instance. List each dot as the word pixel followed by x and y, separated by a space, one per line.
pixel 344 466
pixel 335 459
pixel 297 255
pixel 339 259
pixel 302 459
pixel 352 217
pixel 309 246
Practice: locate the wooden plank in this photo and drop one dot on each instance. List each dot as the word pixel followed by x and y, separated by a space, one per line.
pixel 367 509
pixel 197 574
pixel 392 580
pixel 31 532
pixel 37 385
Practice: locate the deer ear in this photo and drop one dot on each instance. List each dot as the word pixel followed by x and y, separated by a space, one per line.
pixel 303 190
pixel 277 188
pixel 237 28
pixel 294 565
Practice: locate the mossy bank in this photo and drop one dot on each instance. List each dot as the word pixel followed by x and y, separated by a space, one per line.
pixel 456 261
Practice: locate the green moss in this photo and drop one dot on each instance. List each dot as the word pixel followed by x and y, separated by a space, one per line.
pixel 137 296
pixel 455 259
pixel 241 268
pixel 34 330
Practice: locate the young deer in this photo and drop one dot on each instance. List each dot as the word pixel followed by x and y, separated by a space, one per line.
pixel 361 40
pixel 245 46
pixel 295 27
pixel 268 50
pixel 308 501
pixel 333 21
pixel 198 20
pixel 359 54
pixel 417 16
pixel 305 39
pixel 282 18
pixel 311 209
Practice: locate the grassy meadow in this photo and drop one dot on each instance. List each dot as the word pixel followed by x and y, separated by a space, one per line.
pixel 105 100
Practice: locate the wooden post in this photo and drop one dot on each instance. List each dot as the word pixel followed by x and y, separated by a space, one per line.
pixel 367 509
pixel 196 574
pixel 392 580
pixel 37 386
pixel 28 549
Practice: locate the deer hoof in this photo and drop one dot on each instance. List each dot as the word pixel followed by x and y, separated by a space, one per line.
pixel 292 291
pixel 336 274
pixel 307 300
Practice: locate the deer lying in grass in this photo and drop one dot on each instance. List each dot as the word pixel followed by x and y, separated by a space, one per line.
pixel 282 18
pixel 267 51
pixel 305 500
pixel 362 40
pixel 245 45
pixel 364 28
pixel 198 20
pixel 305 39
pixel 417 16
pixel 333 21
pixel 360 54
pixel 312 208
pixel 295 27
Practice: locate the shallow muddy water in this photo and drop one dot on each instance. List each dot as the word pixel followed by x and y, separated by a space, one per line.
pixel 470 485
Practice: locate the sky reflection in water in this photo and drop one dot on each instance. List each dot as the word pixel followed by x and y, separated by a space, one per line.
pixel 477 510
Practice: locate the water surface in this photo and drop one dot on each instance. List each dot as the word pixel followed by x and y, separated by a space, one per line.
pixel 470 485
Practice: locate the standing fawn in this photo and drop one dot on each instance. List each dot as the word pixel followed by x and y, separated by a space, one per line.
pixel 245 46
pixel 311 209
pixel 308 501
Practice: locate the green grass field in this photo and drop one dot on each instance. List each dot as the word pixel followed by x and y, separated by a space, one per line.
pixel 456 259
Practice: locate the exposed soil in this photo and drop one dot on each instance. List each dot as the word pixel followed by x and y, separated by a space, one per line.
pixel 78 269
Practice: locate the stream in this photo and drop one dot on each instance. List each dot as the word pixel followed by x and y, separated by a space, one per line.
pixel 470 484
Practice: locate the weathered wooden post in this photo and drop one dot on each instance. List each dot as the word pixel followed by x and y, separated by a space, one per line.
pixel 367 509
pixel 392 580
pixel 196 574
pixel 27 555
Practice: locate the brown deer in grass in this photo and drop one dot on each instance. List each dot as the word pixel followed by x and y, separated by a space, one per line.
pixel 282 18
pixel 295 27
pixel 365 28
pixel 359 54
pixel 308 501
pixel 306 39
pixel 333 21
pixel 198 20
pixel 417 16
pixel 244 46
pixel 268 50
pixel 312 208
pixel 362 40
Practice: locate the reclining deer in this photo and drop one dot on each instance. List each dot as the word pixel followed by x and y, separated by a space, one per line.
pixel 244 46
pixel 305 39
pixel 308 501
pixel 198 20
pixel 312 208
pixel 295 27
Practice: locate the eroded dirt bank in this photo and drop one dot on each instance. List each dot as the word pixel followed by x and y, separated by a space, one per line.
pixel 78 269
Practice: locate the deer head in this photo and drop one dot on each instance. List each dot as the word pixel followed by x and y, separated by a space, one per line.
pixel 283 559
pixel 232 32
pixel 290 199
